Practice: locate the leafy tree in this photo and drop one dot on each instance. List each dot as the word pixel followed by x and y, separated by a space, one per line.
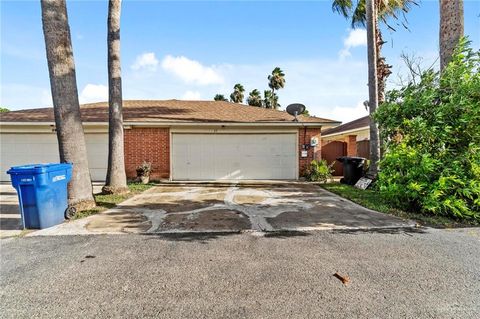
pixel 276 81
pixel 432 127
pixel 220 97
pixel 4 109
pixel 255 98
pixel 66 108
pixel 238 93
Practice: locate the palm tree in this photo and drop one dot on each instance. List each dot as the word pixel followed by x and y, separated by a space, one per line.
pixel 255 98
pixel 220 97
pixel 267 99
pixel 270 99
pixel 451 28
pixel 386 9
pixel 371 19
pixel 116 181
pixel 238 93
pixel 276 81
pixel 63 83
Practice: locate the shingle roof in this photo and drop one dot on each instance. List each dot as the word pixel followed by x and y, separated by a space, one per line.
pixel 355 124
pixel 159 111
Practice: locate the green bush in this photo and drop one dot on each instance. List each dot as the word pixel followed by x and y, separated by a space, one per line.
pixel 432 131
pixel 319 171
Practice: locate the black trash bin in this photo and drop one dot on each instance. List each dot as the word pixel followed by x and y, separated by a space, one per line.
pixel 352 169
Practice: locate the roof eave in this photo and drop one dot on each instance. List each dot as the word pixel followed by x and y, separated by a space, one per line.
pixel 134 123
pixel 346 131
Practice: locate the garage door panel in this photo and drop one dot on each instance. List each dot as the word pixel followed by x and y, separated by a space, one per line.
pixel 21 149
pixel 233 156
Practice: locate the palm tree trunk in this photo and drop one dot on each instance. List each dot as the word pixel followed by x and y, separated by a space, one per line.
pixel 116 178
pixel 383 69
pixel 61 66
pixel 451 28
pixel 372 87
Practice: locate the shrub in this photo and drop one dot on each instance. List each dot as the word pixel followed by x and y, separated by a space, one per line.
pixel 432 131
pixel 319 171
pixel 144 169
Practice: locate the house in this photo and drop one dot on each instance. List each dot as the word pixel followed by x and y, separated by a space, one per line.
pixel 349 139
pixel 184 140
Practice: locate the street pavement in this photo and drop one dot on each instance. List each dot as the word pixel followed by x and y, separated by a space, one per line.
pixel 392 273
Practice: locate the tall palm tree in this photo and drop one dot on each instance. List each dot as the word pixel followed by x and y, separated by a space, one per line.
pixel 386 10
pixel 66 108
pixel 220 97
pixel 451 28
pixel 238 93
pixel 116 181
pixel 276 81
pixel 372 85
pixel 255 98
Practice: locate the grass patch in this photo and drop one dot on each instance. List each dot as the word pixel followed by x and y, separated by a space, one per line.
pixel 374 200
pixel 105 202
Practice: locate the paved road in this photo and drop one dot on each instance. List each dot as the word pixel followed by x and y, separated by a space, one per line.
pixel 393 274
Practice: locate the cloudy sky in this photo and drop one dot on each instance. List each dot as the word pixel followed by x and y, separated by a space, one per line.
pixel 193 50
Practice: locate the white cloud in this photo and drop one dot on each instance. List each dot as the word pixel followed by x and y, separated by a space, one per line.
pixel 146 61
pixel 191 71
pixel 191 95
pixel 94 93
pixel 355 38
pixel 345 113
pixel 330 88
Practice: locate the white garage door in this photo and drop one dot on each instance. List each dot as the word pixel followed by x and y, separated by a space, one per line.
pixel 20 149
pixel 234 156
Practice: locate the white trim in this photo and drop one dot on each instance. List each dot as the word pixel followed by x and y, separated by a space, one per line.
pixel 346 132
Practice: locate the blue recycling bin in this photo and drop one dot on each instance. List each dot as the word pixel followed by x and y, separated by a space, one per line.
pixel 42 193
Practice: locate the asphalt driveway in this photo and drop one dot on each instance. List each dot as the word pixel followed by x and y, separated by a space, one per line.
pixel 247 206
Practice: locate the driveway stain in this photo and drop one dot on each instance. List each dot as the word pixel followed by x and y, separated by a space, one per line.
pixel 232 207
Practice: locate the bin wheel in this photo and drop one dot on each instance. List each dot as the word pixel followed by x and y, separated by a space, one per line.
pixel 70 212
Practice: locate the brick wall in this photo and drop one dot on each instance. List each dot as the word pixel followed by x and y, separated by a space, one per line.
pixel 304 136
pixel 151 145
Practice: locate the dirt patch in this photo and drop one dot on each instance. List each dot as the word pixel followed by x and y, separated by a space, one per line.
pixel 216 220
pixel 299 219
pixel 127 222
pixel 181 205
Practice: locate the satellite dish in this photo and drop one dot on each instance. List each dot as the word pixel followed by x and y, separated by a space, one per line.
pixel 295 109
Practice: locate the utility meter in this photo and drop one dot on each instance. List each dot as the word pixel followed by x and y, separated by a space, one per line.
pixel 314 141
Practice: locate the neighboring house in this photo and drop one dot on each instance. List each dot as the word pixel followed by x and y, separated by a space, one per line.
pixel 184 140
pixel 349 139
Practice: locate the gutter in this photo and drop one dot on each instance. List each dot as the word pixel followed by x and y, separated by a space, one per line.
pixel 170 124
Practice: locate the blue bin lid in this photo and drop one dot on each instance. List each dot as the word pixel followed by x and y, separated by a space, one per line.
pixel 38 168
